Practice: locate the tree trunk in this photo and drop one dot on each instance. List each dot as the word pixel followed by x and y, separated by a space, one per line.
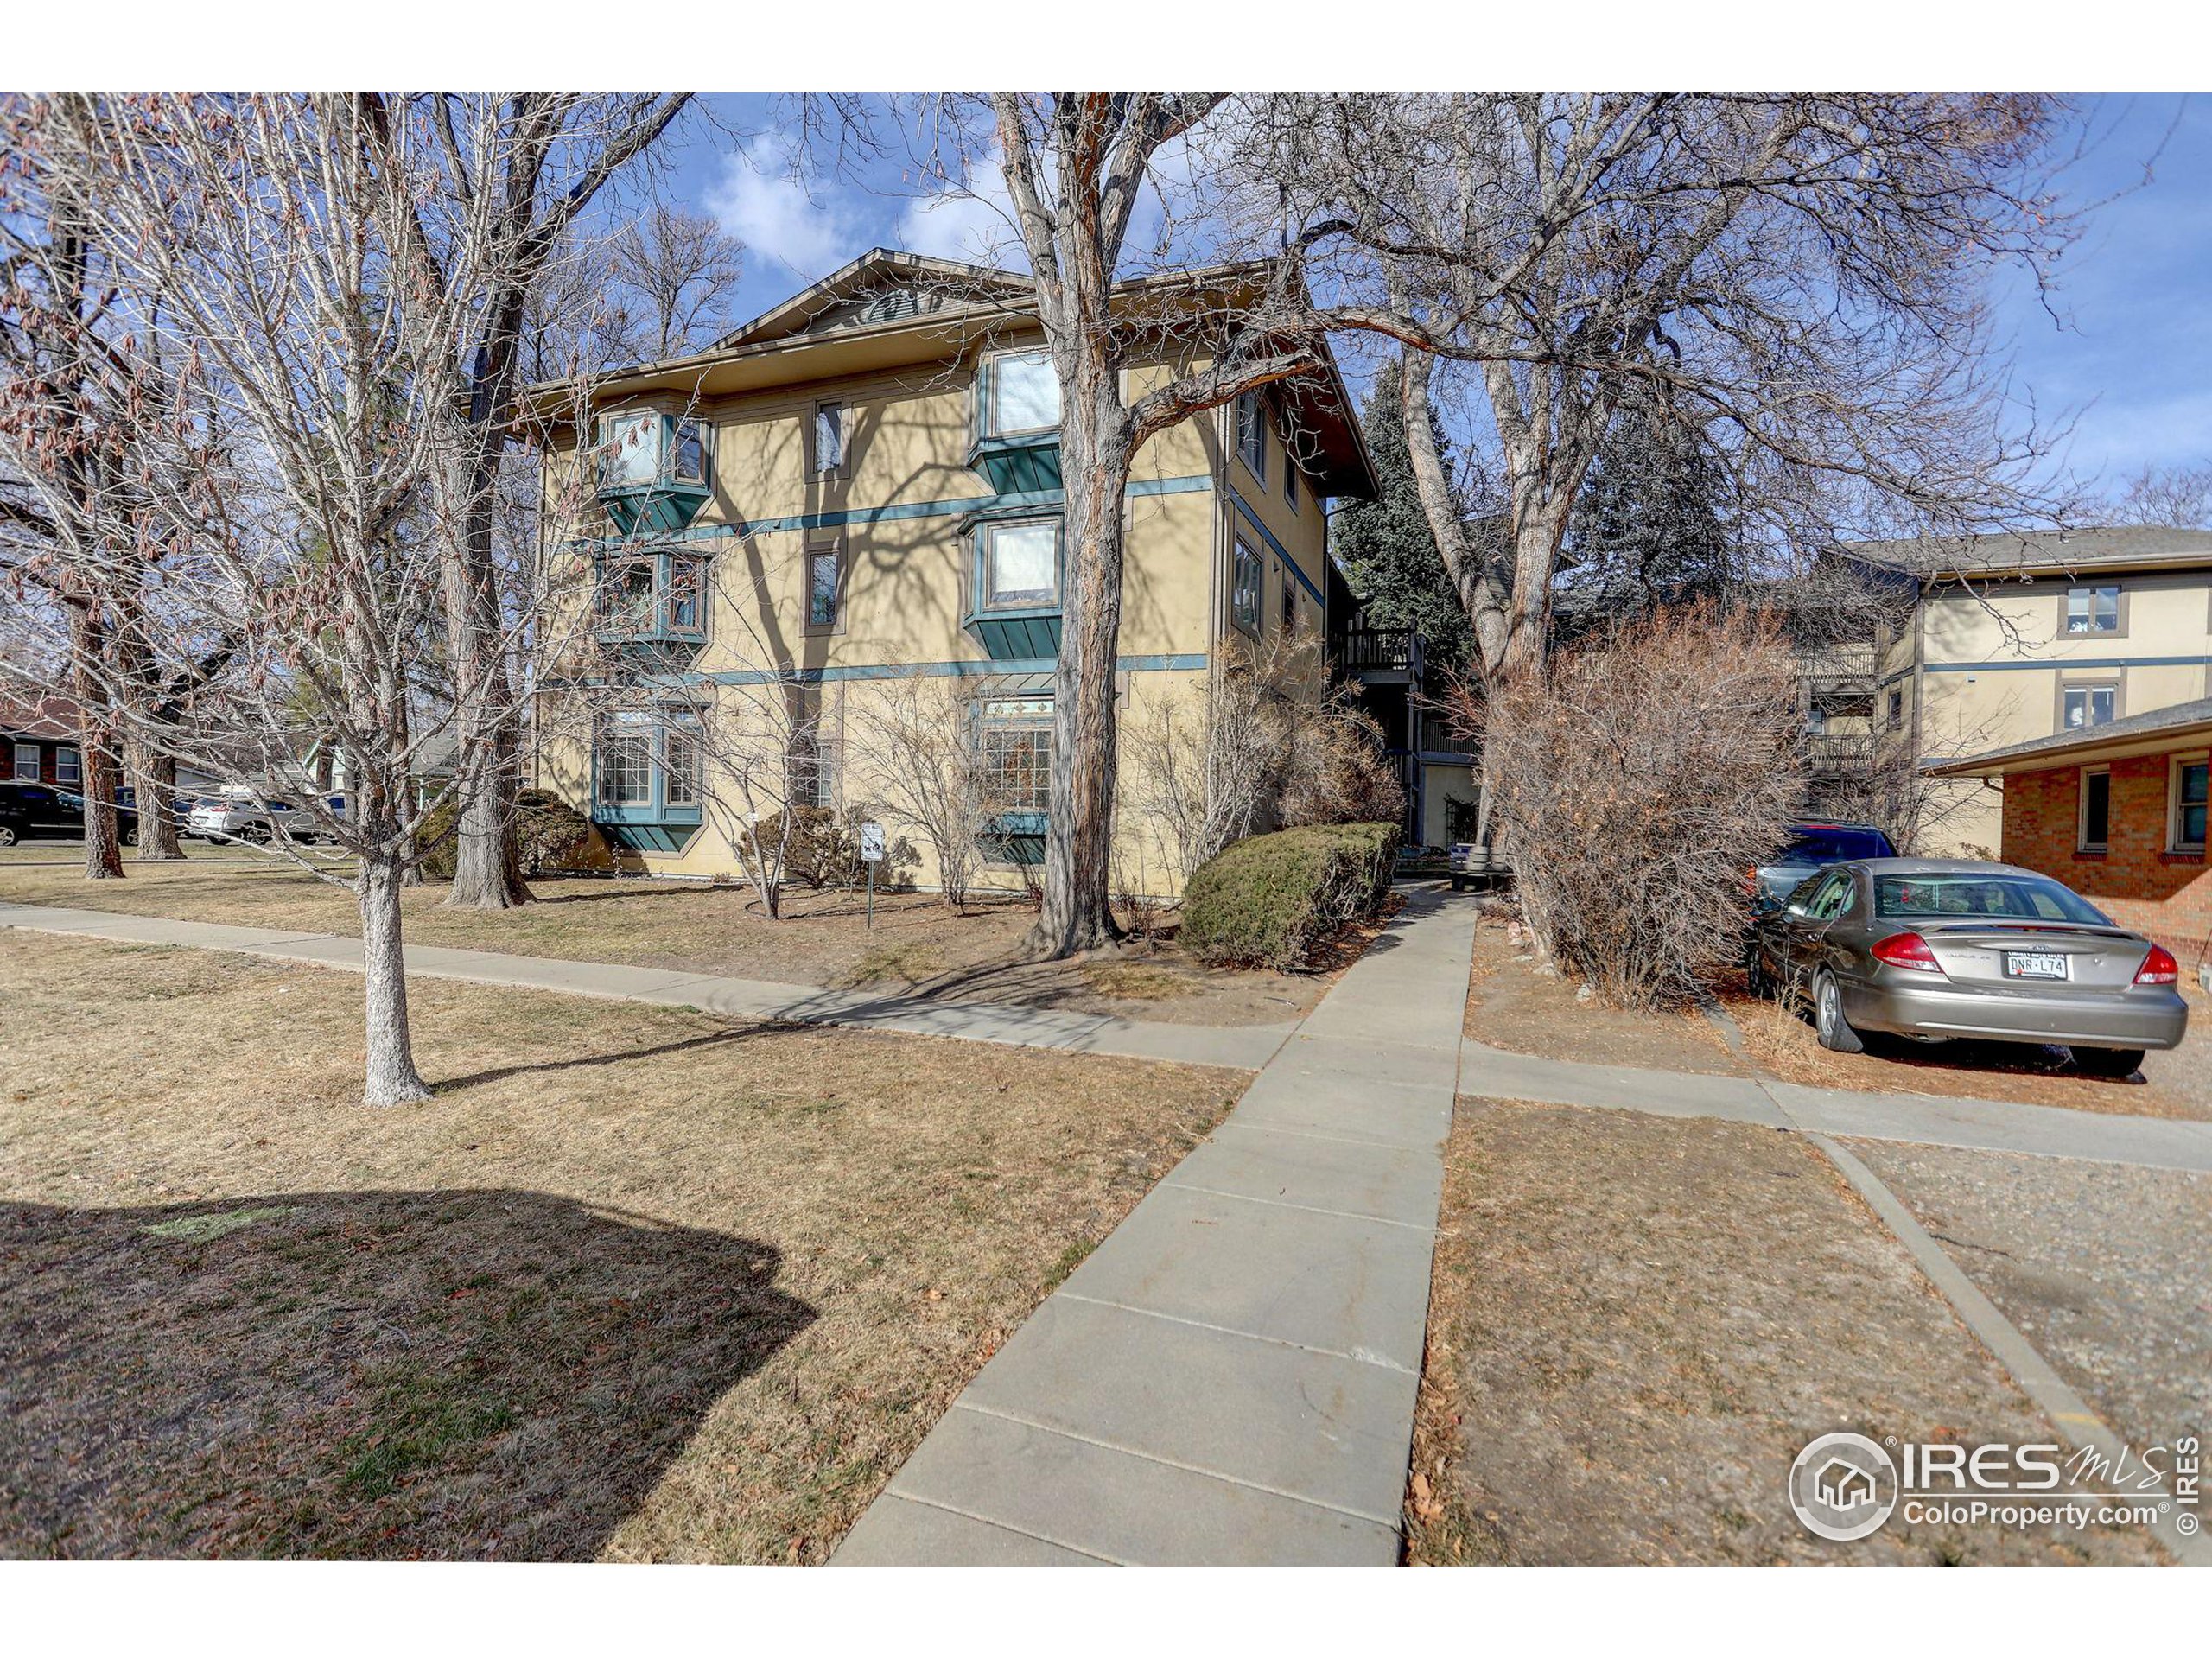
pixel 390 1077
pixel 1077 912
pixel 95 749
pixel 158 832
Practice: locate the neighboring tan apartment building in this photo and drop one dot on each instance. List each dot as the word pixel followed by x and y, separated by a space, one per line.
pixel 861 488
pixel 2015 639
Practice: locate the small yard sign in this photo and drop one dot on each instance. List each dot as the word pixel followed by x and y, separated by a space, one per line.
pixel 871 842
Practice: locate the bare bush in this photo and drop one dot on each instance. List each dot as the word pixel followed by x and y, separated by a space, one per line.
pixel 1637 781
pixel 912 751
pixel 1263 742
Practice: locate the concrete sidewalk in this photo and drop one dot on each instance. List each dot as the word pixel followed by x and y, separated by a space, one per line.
pixel 1242 1047
pixel 1231 1377
pixel 1923 1120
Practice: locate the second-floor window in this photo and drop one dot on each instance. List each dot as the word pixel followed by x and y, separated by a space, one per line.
pixel 1252 435
pixel 1893 710
pixel 2089 705
pixel 1289 600
pixel 1022 395
pixel 824 566
pixel 652 593
pixel 1246 574
pixel 2093 610
pixel 1021 564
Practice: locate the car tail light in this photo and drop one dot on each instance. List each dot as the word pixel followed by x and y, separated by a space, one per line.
pixel 1907 950
pixel 2159 968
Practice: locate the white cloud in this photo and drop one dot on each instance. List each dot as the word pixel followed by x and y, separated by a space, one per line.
pixel 975 225
pixel 758 200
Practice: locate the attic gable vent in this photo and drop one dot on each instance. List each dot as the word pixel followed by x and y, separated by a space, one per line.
pixel 891 305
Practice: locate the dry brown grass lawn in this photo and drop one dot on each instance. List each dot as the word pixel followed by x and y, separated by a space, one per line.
pixel 635 1284
pixel 1637 1322
pixel 917 942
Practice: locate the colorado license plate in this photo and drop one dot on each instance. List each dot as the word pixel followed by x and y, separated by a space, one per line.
pixel 2034 964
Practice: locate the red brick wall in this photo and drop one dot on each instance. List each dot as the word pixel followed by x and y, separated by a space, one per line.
pixel 2135 880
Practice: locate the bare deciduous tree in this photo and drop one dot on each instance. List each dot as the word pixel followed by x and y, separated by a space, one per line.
pixel 911 752
pixel 684 270
pixel 293 482
pixel 2177 496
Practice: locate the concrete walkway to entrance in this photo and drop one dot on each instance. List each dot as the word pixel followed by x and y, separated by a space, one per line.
pixel 1243 1047
pixel 1230 1377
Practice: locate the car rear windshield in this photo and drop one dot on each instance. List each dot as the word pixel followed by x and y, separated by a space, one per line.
pixel 2008 898
pixel 1833 846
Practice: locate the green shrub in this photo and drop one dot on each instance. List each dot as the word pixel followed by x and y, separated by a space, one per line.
pixel 1270 899
pixel 549 835
pixel 824 850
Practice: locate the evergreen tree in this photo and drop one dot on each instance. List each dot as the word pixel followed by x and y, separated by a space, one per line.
pixel 1386 549
pixel 1651 523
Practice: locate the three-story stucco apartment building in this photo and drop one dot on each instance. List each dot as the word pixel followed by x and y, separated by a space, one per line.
pixel 861 487
pixel 2013 638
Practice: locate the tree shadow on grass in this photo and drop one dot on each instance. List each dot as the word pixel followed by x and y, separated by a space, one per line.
pixel 469 1373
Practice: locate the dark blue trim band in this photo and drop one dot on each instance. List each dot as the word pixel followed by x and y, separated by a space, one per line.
pixel 1282 552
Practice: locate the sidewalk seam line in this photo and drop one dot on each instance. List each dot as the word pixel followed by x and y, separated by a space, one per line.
pixel 1227 1480
pixel 1285 1204
pixel 1002 1526
pixel 1233 1330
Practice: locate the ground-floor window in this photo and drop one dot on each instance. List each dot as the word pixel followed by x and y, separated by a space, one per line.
pixel 69 769
pixel 2094 828
pixel 649 758
pixel 1246 574
pixel 1015 738
pixel 2191 776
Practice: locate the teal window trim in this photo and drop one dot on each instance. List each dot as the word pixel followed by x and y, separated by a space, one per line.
pixel 678 609
pixel 988 382
pixel 981 605
pixel 641 787
pixel 682 451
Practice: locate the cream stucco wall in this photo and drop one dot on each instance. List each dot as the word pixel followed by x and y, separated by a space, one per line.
pixel 1995 663
pixel 895 513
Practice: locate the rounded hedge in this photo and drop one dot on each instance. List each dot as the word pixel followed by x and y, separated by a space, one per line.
pixel 1268 901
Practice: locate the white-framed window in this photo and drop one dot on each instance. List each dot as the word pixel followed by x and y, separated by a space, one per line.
pixel 691 452
pixel 69 767
pixel 2092 825
pixel 629 455
pixel 1245 575
pixel 829 439
pixel 26 761
pixel 2186 783
pixel 1021 564
pixel 2088 705
pixel 1022 395
pixel 625 760
pixel 1015 738
pixel 2092 609
pixel 1252 435
pixel 682 758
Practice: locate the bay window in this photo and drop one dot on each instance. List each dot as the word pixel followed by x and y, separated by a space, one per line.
pixel 1021 564
pixel 1022 395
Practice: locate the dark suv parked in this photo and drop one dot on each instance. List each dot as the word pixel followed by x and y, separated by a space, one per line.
pixel 27 809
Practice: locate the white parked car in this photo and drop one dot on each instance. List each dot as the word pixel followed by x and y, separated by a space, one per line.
pixel 233 819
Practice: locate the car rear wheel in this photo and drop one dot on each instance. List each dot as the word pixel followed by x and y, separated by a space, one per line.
pixel 2109 1062
pixel 1835 1032
pixel 257 833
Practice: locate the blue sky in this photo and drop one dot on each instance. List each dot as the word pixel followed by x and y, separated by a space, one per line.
pixel 2129 356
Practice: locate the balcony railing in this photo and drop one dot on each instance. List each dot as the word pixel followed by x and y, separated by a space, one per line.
pixel 1839 754
pixel 1379 650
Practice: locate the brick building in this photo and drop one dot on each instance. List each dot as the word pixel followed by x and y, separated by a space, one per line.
pixel 2116 811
